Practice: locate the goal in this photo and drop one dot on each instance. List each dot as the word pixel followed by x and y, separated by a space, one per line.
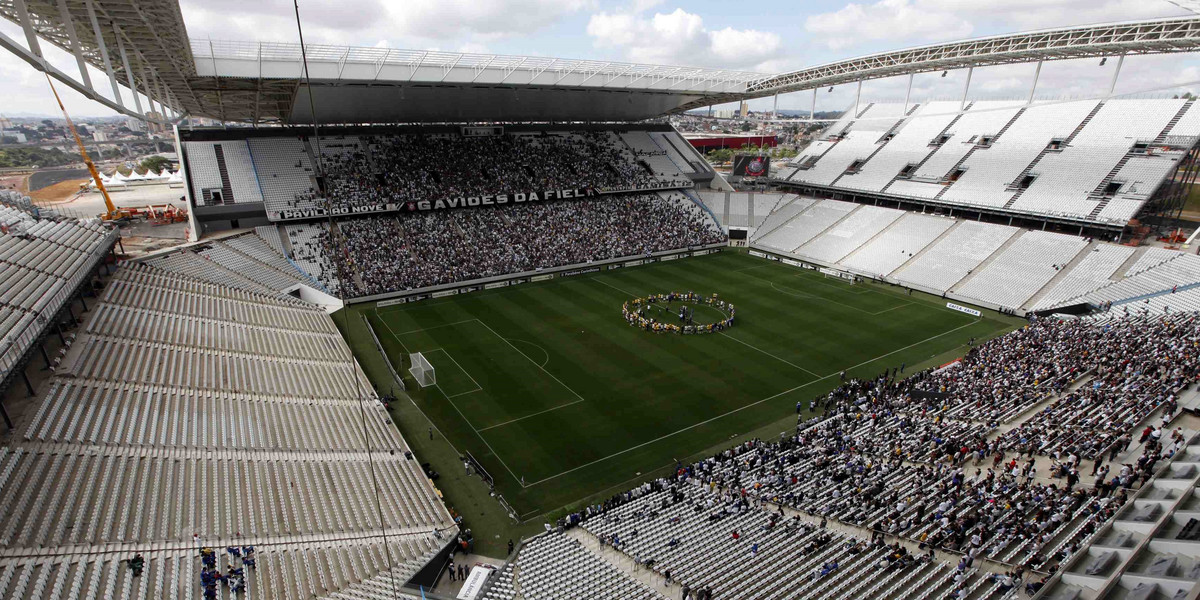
pixel 421 370
pixel 846 276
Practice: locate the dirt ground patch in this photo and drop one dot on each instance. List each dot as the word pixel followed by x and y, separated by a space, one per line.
pixel 58 192
pixel 13 182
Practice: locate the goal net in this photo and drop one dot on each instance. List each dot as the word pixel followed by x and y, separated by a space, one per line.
pixel 421 370
pixel 836 274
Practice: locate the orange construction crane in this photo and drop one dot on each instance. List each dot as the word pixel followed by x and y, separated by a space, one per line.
pixel 113 212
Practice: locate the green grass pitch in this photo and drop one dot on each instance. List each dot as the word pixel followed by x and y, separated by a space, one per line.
pixel 561 400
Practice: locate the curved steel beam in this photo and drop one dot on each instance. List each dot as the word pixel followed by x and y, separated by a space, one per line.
pixel 1159 36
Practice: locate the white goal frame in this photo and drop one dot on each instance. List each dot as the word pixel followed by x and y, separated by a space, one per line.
pixel 846 276
pixel 422 370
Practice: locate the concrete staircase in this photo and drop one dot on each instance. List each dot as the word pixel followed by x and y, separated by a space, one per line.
pixel 971 152
pixel 925 249
pixel 1098 193
pixel 1161 138
pixel 811 161
pixel 226 187
pixel 987 261
pixel 1128 264
pixel 822 232
pixel 761 234
pixel 933 151
pixel 879 145
pixel 1015 184
pixel 1062 274
pixel 871 239
pixel 285 241
pixel 336 231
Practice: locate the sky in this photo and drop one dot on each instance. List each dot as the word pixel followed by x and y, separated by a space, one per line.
pixel 764 37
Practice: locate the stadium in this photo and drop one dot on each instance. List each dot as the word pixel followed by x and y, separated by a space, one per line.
pixel 474 326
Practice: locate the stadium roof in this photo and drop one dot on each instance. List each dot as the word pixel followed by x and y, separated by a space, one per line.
pixel 1158 36
pixel 136 41
pixel 144 44
pixel 367 84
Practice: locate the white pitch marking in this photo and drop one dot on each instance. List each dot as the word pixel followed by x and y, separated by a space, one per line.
pixel 741 408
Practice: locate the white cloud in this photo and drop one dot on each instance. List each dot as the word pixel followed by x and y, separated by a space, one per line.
pixel 906 22
pixel 641 6
pixel 680 37
pixel 612 29
pixel 1018 15
pixel 26 90
pixel 886 20
pixel 473 48
pixel 1158 75
pixel 414 23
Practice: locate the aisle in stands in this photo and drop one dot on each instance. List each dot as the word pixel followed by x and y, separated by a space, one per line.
pixel 417 250
pixel 231 417
pixel 1087 161
pixel 942 503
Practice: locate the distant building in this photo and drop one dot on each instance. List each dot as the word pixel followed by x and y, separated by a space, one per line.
pixel 706 142
pixel 155 120
pixel 99 136
pixel 745 109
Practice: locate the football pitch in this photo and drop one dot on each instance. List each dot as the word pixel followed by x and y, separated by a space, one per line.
pixel 560 399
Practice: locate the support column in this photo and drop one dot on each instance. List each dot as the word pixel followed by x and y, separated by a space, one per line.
pixel 31 38
pixel 907 94
pixel 857 97
pixel 4 413
pixel 112 78
pixel 137 102
pixel 812 113
pixel 1033 88
pixel 28 388
pixel 1112 86
pixel 82 303
pixel 58 329
pixel 966 88
pixel 163 99
pixel 775 108
pixel 76 49
pixel 45 357
pixel 147 88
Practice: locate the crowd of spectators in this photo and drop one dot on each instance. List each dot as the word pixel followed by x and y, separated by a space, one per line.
pixel 415 250
pixel 882 454
pixel 1139 365
pixel 411 167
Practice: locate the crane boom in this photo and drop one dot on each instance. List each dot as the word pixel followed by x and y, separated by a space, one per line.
pixel 112 213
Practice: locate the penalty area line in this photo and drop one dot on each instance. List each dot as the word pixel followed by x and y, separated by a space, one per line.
pixel 428 328
pixel 744 407
pixel 389 328
pixel 674 433
pixel 552 408
pixel 450 399
pixel 756 348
